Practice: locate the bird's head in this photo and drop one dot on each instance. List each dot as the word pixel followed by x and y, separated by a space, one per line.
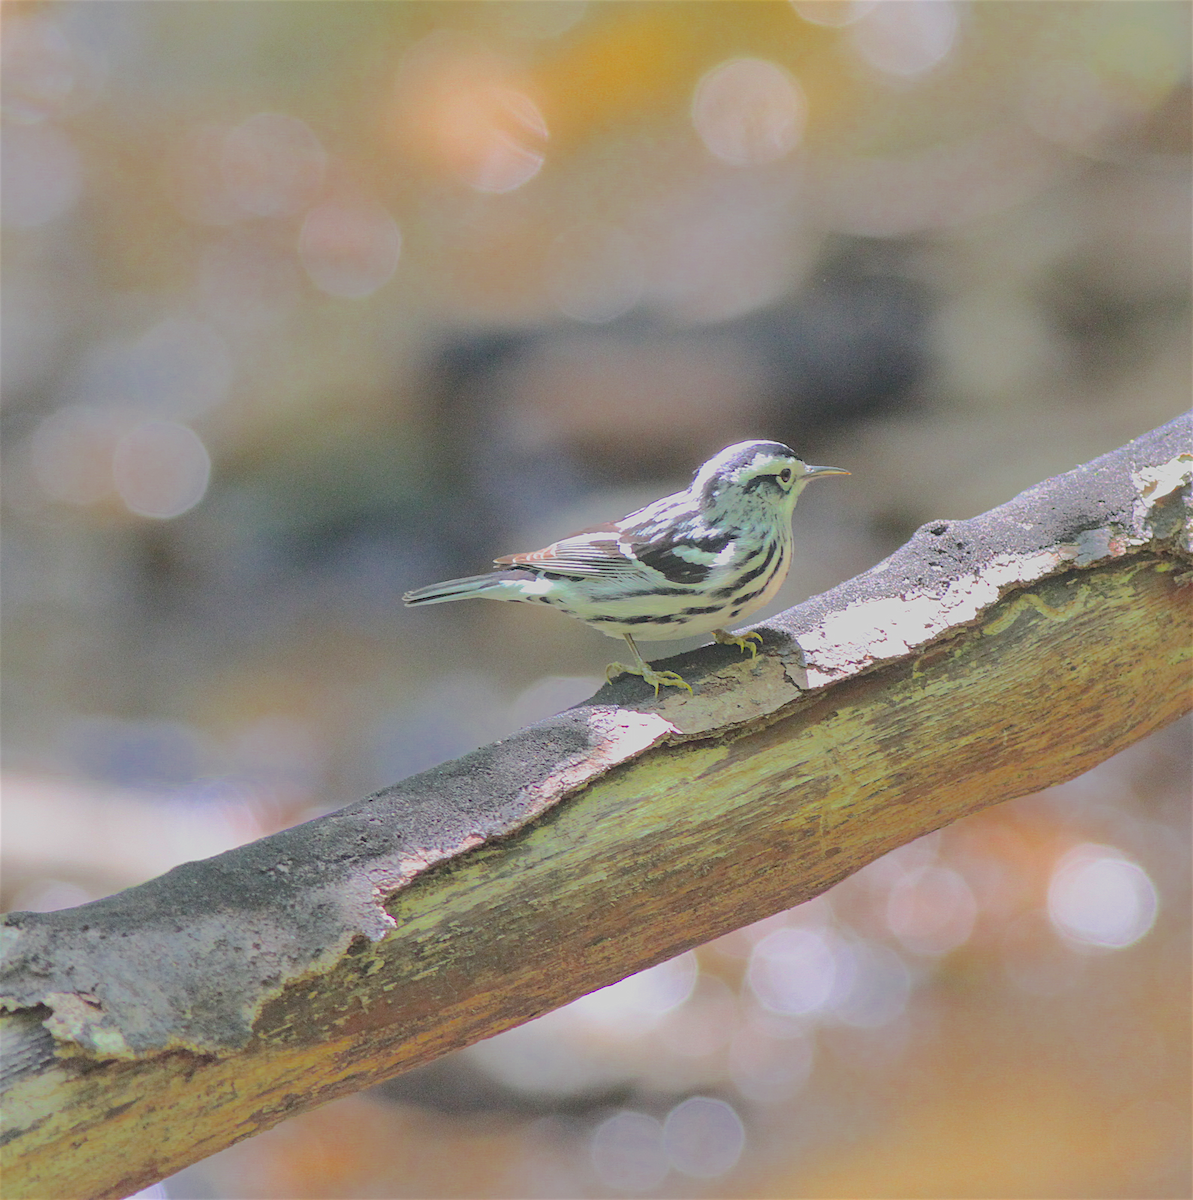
pixel 758 473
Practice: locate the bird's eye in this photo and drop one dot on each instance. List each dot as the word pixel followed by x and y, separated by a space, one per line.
pixel 785 474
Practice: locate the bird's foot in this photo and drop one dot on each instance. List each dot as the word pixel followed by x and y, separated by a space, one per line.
pixel 744 641
pixel 655 679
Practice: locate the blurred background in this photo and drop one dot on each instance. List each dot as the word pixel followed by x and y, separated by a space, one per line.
pixel 305 304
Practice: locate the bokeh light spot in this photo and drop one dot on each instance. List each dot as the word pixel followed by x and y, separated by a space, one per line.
pixel 459 107
pixel 1143 56
pixel 1069 104
pixel 40 178
pixel 594 273
pixel 494 125
pixel 749 112
pixel 931 910
pixel 906 37
pixel 879 987
pixel 37 69
pixel 1098 897
pixel 161 469
pixel 349 247
pixel 273 165
pixel 834 13
pixel 793 971
pixel 178 368
pixel 181 367
pixel 627 1152
pixel 704 1024
pixel 542 19
pixel 703 1137
pixel 637 1003
pixel 71 454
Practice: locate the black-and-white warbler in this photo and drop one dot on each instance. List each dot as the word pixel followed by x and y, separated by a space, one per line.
pixel 687 564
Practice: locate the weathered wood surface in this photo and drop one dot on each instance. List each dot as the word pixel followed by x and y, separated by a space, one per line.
pixel 985 660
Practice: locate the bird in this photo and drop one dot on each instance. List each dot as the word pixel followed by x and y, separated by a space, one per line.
pixel 685 564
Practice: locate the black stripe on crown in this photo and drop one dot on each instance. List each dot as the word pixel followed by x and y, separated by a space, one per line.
pixel 751 451
pixel 730 466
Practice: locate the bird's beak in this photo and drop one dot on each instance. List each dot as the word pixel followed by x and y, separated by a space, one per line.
pixel 813 472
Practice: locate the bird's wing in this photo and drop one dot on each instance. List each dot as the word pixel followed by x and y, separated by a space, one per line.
pixel 592 553
pixel 689 562
pixel 666 537
pixel 622 549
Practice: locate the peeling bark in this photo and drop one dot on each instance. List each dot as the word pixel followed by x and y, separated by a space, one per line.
pixel 984 660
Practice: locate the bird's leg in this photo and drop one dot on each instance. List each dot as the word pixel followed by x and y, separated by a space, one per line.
pixel 641 667
pixel 745 641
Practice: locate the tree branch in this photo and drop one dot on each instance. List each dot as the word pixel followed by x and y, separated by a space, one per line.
pixel 984 660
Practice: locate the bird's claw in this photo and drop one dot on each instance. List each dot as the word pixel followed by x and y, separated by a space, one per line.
pixel 666 678
pixel 743 641
pixel 655 679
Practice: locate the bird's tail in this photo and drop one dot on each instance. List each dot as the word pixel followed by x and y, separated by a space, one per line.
pixel 493 585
